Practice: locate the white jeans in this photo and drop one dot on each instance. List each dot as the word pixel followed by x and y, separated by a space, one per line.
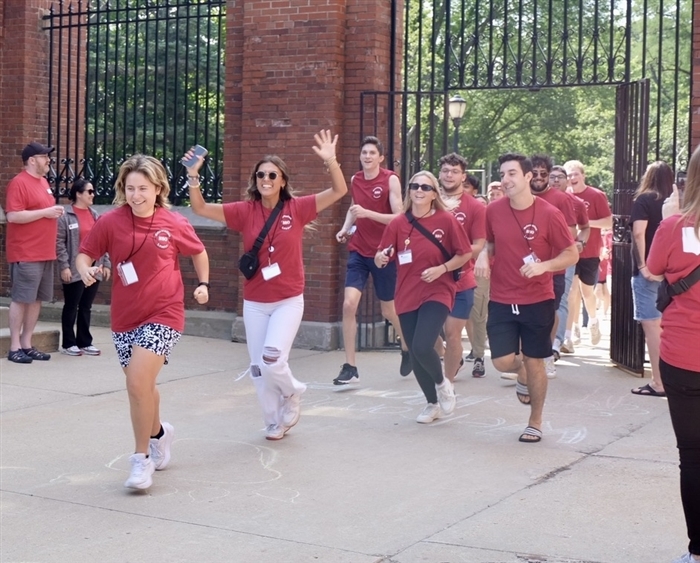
pixel 270 331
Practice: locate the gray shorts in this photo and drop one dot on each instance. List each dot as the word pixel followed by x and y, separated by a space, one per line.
pixel 31 281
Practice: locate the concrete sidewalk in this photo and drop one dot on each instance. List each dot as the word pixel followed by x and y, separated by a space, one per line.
pixel 356 481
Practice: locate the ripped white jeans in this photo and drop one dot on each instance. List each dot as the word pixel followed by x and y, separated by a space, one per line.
pixel 270 331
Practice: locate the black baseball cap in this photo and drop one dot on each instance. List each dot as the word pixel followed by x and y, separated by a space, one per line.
pixel 33 149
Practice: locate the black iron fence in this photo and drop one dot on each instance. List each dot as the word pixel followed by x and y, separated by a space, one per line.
pixel 130 76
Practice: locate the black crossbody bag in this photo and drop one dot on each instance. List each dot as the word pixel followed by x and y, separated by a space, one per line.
pixel 456 274
pixel 668 291
pixel 248 264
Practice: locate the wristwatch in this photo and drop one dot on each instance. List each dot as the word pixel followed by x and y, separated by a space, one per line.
pixel 206 284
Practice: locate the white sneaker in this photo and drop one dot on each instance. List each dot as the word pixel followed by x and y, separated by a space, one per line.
pixel 431 412
pixel 576 334
pixel 275 432
pixel 567 347
pixel 91 351
pixel 159 448
pixel 72 351
pixel 594 328
pixel 446 396
pixel 549 367
pixel 291 410
pixel 509 376
pixel 141 470
pixel 687 558
pixel 556 345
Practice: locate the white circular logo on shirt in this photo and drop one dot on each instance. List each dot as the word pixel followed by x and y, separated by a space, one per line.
pixel 438 234
pixel 162 238
pixel 461 217
pixel 286 222
pixel 530 231
pixel 377 192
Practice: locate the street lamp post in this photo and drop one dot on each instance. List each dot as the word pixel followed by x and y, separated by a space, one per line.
pixel 456 108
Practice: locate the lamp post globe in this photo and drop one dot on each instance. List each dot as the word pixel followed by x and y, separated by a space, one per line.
pixel 456 108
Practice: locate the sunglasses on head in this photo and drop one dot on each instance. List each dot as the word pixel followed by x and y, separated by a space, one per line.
pixel 423 187
pixel 260 175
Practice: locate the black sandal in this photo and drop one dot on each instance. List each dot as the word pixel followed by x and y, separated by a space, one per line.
pixel 34 354
pixel 18 357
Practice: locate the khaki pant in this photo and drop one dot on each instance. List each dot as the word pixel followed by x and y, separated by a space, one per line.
pixel 479 315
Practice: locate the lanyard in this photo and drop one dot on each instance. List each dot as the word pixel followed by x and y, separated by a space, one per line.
pixel 413 224
pixel 532 222
pixel 270 247
pixel 133 235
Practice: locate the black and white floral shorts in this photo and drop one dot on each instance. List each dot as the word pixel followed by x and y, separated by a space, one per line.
pixel 154 337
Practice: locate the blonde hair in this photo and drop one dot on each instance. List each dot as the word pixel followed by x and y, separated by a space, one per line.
pixel 569 164
pixel 437 203
pixel 152 169
pixel 691 195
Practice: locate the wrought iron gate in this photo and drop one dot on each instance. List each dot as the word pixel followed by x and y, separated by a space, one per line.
pixel 631 149
pixel 131 77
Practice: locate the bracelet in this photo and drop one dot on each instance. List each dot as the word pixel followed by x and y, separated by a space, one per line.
pixel 196 186
pixel 330 162
pixel 446 268
pixel 205 284
pixel 642 267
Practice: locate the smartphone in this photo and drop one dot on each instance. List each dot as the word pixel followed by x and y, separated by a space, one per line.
pixel 387 250
pixel 681 175
pixel 199 150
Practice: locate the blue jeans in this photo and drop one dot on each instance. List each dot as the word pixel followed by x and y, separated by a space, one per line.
pixel 563 310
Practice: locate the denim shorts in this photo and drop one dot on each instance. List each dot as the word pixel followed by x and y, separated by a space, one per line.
pixel 644 296
pixel 464 301
pixel 359 269
pixel 154 337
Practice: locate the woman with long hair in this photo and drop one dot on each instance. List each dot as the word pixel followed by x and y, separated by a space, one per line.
pixel 425 286
pixel 273 297
pixel 655 187
pixel 674 254
pixel 144 239
pixel 74 226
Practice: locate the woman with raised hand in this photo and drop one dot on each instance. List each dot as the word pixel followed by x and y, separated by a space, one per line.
pixel 425 286
pixel 675 255
pixel 144 239
pixel 273 293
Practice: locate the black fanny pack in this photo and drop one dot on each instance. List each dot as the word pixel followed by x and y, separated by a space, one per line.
pixel 668 291
pixel 249 263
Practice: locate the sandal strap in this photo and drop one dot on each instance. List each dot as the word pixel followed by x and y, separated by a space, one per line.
pixel 532 431
pixel 521 389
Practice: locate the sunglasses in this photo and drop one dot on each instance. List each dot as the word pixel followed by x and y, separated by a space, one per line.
pixel 423 187
pixel 536 174
pixel 91 192
pixel 260 175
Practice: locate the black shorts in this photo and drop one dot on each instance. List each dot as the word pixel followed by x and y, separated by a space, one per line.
pixel 587 270
pixel 509 326
pixel 559 282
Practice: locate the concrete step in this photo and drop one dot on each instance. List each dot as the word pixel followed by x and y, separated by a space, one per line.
pixel 4 317
pixel 45 339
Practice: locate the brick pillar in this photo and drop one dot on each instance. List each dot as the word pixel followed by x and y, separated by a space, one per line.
pixel 24 98
pixel 695 94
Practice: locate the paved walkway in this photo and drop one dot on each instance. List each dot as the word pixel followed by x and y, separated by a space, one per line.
pixel 356 481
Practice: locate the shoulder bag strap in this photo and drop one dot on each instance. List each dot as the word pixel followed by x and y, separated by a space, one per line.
pixel 427 234
pixel 684 284
pixel 268 225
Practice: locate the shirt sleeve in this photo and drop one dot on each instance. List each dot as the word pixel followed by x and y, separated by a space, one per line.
pixel 306 206
pixel 477 229
pixel 640 209
pixel 188 243
pixel 657 259
pixel 234 213
pixel 560 234
pixel 95 245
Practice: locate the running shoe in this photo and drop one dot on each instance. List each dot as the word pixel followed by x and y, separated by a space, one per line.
pixel 348 374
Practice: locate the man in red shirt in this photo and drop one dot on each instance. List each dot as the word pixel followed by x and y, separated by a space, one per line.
pixel 472 216
pixel 539 185
pixel 599 217
pixel 528 240
pixel 31 249
pixel 376 200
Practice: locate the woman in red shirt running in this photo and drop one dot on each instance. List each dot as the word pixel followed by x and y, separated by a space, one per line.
pixel 273 298
pixel 425 285
pixel 674 254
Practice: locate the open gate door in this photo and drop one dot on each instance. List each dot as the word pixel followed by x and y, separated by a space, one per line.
pixel 631 150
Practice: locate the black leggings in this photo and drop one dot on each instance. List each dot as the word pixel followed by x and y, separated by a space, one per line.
pixel 420 329
pixel 682 388
pixel 77 304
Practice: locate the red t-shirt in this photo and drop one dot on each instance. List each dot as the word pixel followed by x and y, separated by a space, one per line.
pixel 580 210
pixel 35 241
pixel 507 228
pixel 285 237
pixel 159 295
pixel 680 322
pixel 85 222
pixel 372 195
pixel 564 204
pixel 411 291
pixel 472 216
pixel 596 203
